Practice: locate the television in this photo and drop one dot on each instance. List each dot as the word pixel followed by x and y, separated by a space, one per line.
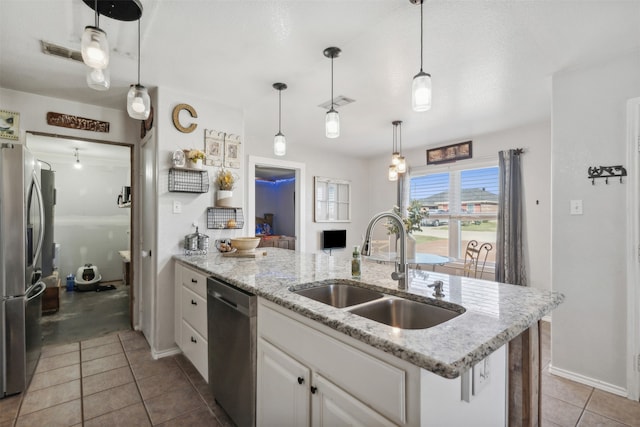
pixel 334 239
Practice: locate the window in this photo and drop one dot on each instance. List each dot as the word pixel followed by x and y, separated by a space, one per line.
pixel 461 205
pixel 332 200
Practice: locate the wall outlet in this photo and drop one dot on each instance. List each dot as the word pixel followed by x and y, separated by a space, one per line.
pixel 177 207
pixel 481 376
pixel 576 207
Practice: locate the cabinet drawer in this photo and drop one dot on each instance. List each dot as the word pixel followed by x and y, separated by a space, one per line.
pixel 195 347
pixel 195 281
pixel 194 311
pixel 371 380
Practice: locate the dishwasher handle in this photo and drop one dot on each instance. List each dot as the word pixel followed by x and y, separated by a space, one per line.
pixel 217 297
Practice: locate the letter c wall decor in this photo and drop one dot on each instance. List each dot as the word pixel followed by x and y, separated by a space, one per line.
pixel 176 120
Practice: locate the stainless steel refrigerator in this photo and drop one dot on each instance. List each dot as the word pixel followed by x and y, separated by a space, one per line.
pixel 21 287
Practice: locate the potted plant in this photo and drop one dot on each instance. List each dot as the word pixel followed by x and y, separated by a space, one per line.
pixel 196 158
pixel 225 182
pixel 412 221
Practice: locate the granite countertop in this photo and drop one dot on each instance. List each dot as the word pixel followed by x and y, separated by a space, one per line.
pixel 495 312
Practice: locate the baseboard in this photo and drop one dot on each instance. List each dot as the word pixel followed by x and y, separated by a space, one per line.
pixel 165 353
pixel 601 385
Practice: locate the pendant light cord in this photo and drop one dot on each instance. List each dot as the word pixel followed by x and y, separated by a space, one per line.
pixel 279 110
pixel 421 33
pixel 97 14
pixel 400 138
pixel 332 82
pixel 138 51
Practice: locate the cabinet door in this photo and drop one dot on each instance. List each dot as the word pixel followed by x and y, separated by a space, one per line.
pixel 333 407
pixel 283 388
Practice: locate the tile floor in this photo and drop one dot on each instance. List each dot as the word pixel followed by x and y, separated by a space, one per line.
pixel 113 381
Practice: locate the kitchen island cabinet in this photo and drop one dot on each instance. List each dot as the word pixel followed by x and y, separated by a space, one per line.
pixel 428 373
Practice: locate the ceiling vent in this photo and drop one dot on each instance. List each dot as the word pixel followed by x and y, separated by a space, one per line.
pixel 61 51
pixel 338 101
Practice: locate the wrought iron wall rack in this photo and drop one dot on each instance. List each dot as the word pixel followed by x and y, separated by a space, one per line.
pixel 606 172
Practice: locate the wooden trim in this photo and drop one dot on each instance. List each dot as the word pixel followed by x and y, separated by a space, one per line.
pixel 524 390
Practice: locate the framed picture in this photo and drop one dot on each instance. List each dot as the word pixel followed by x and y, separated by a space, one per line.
pixel 9 125
pixel 449 153
pixel 232 151
pixel 213 147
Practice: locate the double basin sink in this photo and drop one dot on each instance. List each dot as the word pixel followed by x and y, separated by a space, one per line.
pixel 393 311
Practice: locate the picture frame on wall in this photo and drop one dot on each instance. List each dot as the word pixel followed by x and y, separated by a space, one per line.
pixel 450 153
pixel 9 125
pixel 232 151
pixel 213 147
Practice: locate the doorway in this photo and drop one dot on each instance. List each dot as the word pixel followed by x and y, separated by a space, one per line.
pixel 292 175
pixel 89 287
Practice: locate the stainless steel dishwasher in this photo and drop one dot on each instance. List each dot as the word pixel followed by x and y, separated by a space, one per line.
pixel 231 318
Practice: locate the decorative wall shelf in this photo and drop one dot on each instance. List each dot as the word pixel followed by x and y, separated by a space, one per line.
pixel 225 218
pixel 188 180
pixel 606 172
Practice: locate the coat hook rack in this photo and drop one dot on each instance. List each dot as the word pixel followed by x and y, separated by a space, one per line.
pixel 606 172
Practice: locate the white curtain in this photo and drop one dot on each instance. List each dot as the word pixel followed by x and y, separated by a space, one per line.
pixel 510 262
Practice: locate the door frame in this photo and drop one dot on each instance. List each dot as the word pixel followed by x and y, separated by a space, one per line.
pixel 300 199
pixel 633 249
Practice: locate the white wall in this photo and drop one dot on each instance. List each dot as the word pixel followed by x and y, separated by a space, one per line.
pixel 173 227
pixel 589 129
pixel 536 175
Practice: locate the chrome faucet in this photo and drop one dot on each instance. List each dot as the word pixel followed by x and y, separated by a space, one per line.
pixel 400 273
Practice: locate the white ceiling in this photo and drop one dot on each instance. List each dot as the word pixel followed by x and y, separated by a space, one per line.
pixel 491 60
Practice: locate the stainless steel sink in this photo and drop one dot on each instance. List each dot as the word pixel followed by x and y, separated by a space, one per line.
pixel 406 314
pixel 339 295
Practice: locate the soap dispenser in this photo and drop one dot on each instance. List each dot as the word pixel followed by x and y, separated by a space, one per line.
pixel 356 263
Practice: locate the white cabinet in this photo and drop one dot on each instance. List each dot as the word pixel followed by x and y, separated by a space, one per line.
pixel 191 316
pixel 307 377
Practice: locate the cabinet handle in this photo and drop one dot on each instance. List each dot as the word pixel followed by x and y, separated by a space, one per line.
pixel 193 340
pixel 314 389
pixel 194 302
pixel 300 380
pixel 194 280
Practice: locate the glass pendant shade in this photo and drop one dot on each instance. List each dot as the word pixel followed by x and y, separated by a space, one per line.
pixel 95 48
pixel 421 92
pixel 279 145
pixel 401 167
pixel 393 173
pixel 332 124
pixel 395 159
pixel 138 102
pixel 98 79
pixel 77 164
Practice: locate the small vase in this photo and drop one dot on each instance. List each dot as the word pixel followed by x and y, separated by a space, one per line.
pixel 196 165
pixel 223 198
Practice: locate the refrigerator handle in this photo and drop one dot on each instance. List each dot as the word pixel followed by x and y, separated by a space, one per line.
pixel 36 185
pixel 38 288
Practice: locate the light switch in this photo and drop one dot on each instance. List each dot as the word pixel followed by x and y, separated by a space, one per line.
pixel 576 207
pixel 177 207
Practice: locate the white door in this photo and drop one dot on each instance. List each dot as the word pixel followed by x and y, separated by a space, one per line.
pixel 282 389
pixel 148 180
pixel 333 407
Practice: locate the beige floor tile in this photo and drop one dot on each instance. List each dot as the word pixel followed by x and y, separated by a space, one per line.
pixel 153 367
pixel 103 364
pixel 55 350
pixel 137 357
pixel 63 415
pixel 110 400
pixel 203 417
pixel 9 407
pixel 106 380
pixel 172 379
pixel 53 362
pixel 173 404
pixel 589 419
pixel 95 342
pixel 559 412
pixel 101 351
pixel 615 407
pixel 133 415
pixel 54 377
pixel 564 389
pixel 135 343
pixel 50 396
pixel 127 335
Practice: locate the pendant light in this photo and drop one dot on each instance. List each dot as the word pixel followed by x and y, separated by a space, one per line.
pixel 332 119
pixel 398 164
pixel 98 79
pixel 94 45
pixel 402 164
pixel 279 141
pixel 421 88
pixel 138 101
pixel 77 164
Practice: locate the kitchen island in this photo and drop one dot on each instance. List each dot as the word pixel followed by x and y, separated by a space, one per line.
pixel 494 313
